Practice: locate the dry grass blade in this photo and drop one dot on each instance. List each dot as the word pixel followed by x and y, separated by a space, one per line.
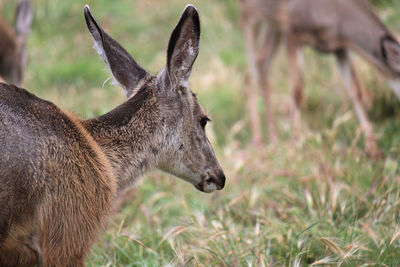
pixel 396 236
pixel 174 231
pixel 324 261
pixel 370 232
pixel 332 246
pixel 132 238
pixel 214 236
pixel 342 119
pixel 237 199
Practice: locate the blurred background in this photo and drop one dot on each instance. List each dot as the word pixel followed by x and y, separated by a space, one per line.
pixel 321 201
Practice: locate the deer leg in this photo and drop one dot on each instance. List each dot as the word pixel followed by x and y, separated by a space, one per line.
pixel 353 89
pixel 265 57
pixel 295 60
pixel 254 117
pixel 251 92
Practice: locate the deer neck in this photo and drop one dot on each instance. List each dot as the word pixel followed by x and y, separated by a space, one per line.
pixel 128 137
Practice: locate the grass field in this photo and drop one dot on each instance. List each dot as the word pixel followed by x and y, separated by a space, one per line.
pixel 320 201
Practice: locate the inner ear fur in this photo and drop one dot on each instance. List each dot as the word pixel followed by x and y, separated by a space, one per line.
pixel 183 46
pixel 123 67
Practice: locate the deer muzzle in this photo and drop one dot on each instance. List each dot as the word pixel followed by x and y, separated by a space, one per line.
pixel 212 183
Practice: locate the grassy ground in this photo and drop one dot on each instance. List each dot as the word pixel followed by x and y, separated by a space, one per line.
pixel 320 201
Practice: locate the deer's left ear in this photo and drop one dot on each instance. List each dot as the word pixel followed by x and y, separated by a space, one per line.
pixel 123 67
pixel 183 46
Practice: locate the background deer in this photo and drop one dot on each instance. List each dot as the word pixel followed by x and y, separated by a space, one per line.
pixel 13 56
pixel 59 175
pixel 330 26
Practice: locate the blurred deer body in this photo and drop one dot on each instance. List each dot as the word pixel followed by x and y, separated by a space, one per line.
pixel 59 175
pixel 329 26
pixel 13 56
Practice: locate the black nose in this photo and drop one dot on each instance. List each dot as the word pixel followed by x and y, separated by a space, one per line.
pixel 220 181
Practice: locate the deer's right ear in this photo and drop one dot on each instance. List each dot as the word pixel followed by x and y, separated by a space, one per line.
pixel 23 19
pixel 123 67
pixel 183 46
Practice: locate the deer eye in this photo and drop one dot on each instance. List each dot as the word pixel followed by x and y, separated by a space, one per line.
pixel 203 122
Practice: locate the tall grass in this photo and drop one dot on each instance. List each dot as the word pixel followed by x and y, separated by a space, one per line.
pixel 319 201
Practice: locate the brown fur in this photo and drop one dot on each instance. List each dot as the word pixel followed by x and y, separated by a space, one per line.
pixel 65 191
pixel 59 175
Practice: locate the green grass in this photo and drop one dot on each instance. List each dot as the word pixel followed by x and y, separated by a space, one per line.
pixel 320 201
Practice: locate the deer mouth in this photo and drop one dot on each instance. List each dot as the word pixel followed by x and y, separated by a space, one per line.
pixel 210 184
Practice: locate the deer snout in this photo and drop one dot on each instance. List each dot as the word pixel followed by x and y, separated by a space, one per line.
pixel 218 179
pixel 213 182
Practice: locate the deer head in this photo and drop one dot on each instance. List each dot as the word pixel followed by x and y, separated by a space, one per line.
pixel 180 144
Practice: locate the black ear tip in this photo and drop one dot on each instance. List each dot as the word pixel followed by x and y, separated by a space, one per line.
pixel 88 16
pixel 191 10
pixel 86 10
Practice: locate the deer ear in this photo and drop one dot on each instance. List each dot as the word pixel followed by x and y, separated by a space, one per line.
pixel 391 53
pixel 183 46
pixel 123 67
pixel 23 19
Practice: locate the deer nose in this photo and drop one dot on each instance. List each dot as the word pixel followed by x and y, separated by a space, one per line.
pixel 221 185
pixel 220 180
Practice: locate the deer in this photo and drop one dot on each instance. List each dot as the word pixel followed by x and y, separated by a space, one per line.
pixel 59 175
pixel 337 27
pixel 13 54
